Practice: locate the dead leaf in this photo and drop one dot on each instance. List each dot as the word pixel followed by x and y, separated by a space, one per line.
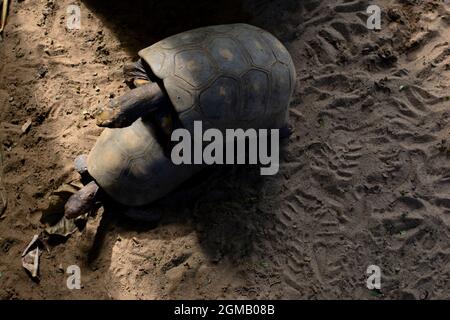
pixel 31 262
pixel 32 242
pixel 63 228
pixel 30 256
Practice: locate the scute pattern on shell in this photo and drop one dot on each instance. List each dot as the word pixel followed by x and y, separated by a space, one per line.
pixel 130 165
pixel 228 76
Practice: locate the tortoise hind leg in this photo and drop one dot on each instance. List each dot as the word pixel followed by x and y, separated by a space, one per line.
pixel 124 110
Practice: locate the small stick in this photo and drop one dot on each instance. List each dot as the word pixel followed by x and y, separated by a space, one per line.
pixel 4 13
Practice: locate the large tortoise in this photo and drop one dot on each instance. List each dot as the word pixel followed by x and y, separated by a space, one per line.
pixel 227 76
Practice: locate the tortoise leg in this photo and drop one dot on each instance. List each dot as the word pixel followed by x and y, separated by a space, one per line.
pixel 81 201
pixel 136 73
pixel 147 213
pixel 124 110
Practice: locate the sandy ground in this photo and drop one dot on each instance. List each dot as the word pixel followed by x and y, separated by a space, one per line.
pixel 364 180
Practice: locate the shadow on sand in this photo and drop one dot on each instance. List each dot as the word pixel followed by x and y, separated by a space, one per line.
pixel 140 23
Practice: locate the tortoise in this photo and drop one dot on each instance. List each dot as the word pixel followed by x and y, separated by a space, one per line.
pixel 228 76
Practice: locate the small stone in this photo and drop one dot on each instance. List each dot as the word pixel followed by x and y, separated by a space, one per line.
pixel 19 54
pixel 26 126
pixel 394 14
pixel 42 71
pixel 80 164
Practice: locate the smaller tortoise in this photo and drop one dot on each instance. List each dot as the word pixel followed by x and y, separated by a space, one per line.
pixel 227 76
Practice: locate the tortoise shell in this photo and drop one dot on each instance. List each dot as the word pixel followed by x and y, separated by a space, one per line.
pixel 130 165
pixel 227 76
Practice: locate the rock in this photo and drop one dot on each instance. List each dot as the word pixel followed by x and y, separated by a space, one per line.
pixel 80 164
pixel 26 126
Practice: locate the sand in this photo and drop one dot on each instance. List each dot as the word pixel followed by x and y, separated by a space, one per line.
pixel 364 179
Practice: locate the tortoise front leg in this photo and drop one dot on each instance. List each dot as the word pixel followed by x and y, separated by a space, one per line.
pixel 137 73
pixel 124 110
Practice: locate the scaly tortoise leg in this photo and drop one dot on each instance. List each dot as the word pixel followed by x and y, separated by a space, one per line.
pixel 124 110
pixel 136 74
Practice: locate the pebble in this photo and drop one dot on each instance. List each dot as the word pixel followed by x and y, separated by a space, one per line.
pixel 80 163
pixel 26 126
